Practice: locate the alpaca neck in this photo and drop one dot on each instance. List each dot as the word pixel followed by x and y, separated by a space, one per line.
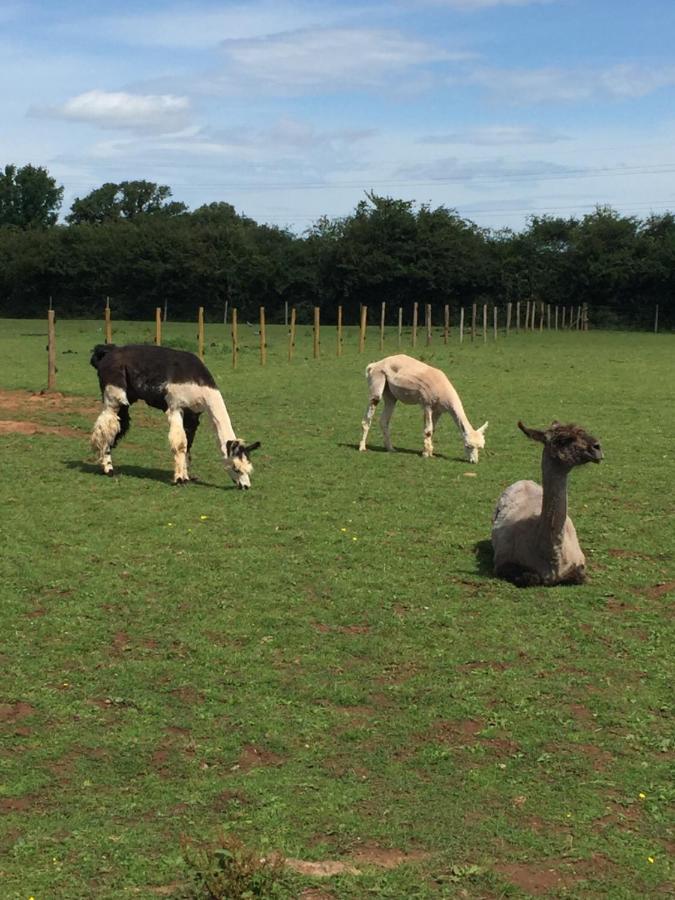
pixel 451 403
pixel 554 501
pixel 215 407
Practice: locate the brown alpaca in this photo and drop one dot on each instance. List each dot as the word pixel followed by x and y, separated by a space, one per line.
pixel 534 540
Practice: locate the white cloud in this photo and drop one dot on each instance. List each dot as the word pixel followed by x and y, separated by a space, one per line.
pixel 327 59
pixel 485 172
pixel 120 110
pixel 492 135
pixel 194 27
pixel 568 85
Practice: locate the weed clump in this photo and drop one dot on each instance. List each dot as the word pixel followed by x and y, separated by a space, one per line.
pixel 226 869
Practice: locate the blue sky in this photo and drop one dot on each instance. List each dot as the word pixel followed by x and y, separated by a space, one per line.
pixel 499 109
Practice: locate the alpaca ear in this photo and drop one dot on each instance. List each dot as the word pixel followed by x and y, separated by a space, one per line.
pixel 483 428
pixel 230 447
pixel 253 446
pixel 533 433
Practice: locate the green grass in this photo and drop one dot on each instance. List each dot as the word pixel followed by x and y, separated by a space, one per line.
pixel 325 663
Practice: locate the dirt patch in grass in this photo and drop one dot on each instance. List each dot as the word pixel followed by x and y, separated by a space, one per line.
pixel 252 756
pixel 658 590
pixel 314 894
pixel 618 606
pixel 618 815
pixel 16 804
pixel 8 426
pixel 12 712
pixel 325 869
pixel 371 854
pixel 543 878
pixel 622 553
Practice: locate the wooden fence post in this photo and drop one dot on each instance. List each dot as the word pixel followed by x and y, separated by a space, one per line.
pixel 461 325
pixel 508 317
pixel 291 334
pixel 484 322
pixel 108 322
pixel 235 340
pixel 446 323
pixel 200 332
pixel 338 348
pixel 263 337
pixel 556 317
pixel 382 315
pixel 563 319
pixel 362 328
pixel 400 326
pixel 414 325
pixel 51 351
pixel 527 316
pixel 548 316
pixel 317 332
pixel 541 316
pixel 518 317
pixel 473 322
pixel 158 326
pixel 494 323
pixel 427 322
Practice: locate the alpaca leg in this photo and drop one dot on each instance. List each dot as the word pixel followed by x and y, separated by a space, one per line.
pixel 112 423
pixel 376 385
pixel 178 444
pixel 428 432
pixel 191 424
pixel 385 418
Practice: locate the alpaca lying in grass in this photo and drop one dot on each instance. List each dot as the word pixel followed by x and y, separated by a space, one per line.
pixel 533 539
pixel 176 382
pixel 406 379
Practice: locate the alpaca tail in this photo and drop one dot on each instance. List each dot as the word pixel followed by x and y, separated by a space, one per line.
pixel 99 351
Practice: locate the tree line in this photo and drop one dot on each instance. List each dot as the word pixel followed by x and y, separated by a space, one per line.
pixel 132 243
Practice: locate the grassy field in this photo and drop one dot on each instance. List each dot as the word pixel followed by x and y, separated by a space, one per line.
pixel 323 667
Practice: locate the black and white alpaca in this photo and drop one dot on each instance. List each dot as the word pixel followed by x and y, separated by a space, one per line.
pixel 176 382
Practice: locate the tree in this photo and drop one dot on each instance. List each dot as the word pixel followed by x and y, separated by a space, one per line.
pixel 126 200
pixel 29 197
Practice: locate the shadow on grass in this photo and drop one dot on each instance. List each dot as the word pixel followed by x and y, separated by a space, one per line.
pixel 484 559
pixel 161 475
pixel 401 450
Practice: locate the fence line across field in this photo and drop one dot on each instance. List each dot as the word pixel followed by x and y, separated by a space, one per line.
pixel 539 317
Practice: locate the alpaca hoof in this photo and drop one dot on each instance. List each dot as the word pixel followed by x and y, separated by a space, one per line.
pixel 180 480
pixel 109 473
pixel 362 449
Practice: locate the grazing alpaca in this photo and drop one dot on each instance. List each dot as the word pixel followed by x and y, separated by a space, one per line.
pixel 177 383
pixel 406 379
pixel 533 539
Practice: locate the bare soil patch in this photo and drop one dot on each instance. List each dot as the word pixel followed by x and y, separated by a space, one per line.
pixel 541 878
pixel 15 804
pixel 8 426
pixel 12 712
pixel 252 756
pixel 385 857
pixel 659 590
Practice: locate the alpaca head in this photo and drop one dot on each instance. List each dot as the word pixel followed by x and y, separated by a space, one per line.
pixel 238 462
pixel 473 442
pixel 568 445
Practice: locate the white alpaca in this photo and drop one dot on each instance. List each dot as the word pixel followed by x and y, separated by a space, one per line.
pixel 406 379
pixel 533 539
